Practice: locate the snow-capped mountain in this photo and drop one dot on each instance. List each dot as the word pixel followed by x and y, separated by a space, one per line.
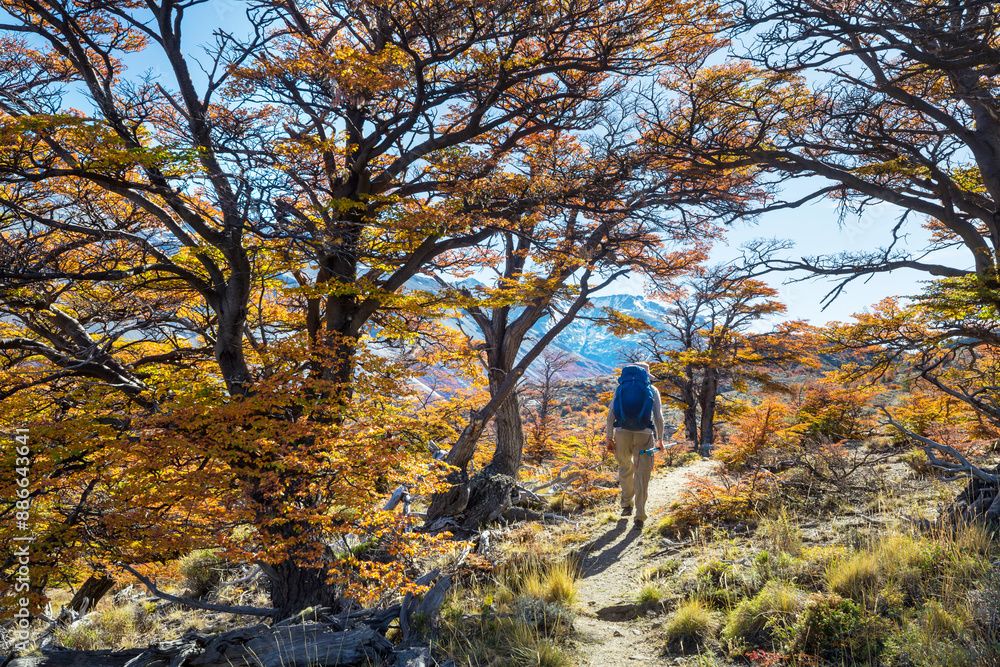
pixel 589 349
pixel 588 339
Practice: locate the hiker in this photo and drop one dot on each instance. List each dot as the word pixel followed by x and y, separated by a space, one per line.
pixel 633 415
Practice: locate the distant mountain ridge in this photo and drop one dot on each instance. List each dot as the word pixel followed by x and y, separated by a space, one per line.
pixel 590 340
pixel 592 350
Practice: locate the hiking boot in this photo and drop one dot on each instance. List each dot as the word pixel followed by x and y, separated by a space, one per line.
pixel 627 511
pixel 637 524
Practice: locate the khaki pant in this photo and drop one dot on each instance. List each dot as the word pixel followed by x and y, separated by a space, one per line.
pixel 634 469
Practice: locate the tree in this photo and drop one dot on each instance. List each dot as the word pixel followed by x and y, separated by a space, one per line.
pixel 543 277
pixel 891 102
pixel 707 339
pixel 885 102
pixel 541 419
pixel 944 340
pixel 613 208
pixel 248 216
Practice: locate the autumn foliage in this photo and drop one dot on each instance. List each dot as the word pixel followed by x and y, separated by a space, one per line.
pixel 208 319
pixel 243 475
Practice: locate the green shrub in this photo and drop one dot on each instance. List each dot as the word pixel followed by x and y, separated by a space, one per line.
pixel 783 566
pixel 649 593
pixel 921 644
pixel 759 620
pixel 670 526
pixel 81 637
pixel 835 629
pixel 520 638
pixel 111 628
pixel 688 458
pixel 716 573
pixel 718 584
pixel 918 462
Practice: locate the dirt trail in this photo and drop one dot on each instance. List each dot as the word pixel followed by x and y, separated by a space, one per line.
pixel 611 575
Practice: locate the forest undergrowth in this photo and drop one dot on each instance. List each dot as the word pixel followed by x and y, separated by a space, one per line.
pixel 808 538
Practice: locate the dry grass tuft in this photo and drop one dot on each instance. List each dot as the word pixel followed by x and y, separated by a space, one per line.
pixel 551 582
pixel 780 534
pixel 691 626
pixel 649 593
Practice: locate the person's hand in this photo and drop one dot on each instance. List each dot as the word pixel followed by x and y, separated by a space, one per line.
pixel 610 443
pixel 659 445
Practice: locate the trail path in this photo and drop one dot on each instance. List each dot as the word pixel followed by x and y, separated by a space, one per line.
pixel 611 575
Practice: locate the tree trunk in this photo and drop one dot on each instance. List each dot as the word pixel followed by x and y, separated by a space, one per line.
pixel 491 494
pixel 979 502
pixel 91 592
pixel 295 587
pixel 690 412
pixel 510 438
pixel 232 318
pixel 453 501
pixel 709 393
pixel 504 375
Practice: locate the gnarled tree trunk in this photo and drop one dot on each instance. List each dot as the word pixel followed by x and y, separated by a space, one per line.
pixel 709 394
pixel 979 502
pixel 690 413
pixel 510 438
pixel 490 495
pixel 505 370
pixel 295 586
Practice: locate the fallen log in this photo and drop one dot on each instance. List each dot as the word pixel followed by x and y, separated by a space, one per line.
pixel 979 501
pixel 311 638
pixel 418 624
pixel 61 657
pixel 306 645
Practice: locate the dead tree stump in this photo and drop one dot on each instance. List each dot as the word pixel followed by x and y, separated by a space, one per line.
pixel 490 495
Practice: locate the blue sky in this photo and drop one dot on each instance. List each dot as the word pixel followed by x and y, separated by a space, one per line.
pixel 816 229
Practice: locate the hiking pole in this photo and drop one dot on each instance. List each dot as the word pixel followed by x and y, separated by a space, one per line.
pixel 652 450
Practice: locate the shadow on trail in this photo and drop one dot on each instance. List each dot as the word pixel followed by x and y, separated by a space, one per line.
pixel 599 558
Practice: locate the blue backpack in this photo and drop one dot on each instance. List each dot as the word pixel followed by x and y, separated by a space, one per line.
pixel 633 404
